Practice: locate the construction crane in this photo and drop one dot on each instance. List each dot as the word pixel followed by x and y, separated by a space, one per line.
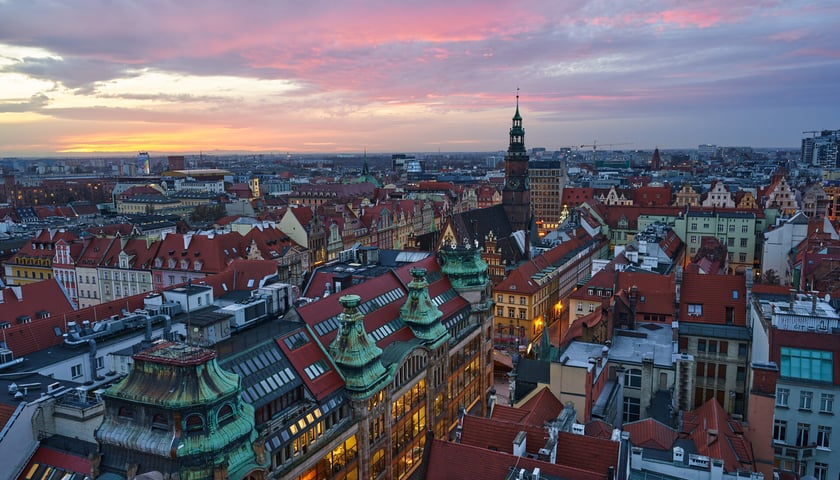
pixel 812 132
pixel 595 146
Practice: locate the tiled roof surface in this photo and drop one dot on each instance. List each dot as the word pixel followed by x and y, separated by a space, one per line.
pixel 6 412
pixel 599 429
pixel 659 291
pixel 454 461
pixel 578 451
pixel 321 381
pixel 649 433
pixel 729 444
pixel 715 293
pixel 520 280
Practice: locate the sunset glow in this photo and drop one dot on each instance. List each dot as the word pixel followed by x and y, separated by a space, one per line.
pixel 167 77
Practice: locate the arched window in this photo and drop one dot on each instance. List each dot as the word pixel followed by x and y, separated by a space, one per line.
pixel 159 422
pixel 225 414
pixel 194 423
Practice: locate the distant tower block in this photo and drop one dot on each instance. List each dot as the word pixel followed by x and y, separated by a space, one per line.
pixel 143 167
pixel 176 162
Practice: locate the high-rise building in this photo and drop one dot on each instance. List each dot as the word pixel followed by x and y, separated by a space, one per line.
pixel 548 177
pixel 516 194
pixel 822 151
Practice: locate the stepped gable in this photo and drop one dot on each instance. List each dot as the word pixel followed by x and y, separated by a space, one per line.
pixel 717 435
pixel 455 461
pixel 473 227
pixel 650 433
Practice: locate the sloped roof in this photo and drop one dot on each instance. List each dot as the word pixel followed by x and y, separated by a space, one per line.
pixel 455 461
pixel 715 293
pixel 729 444
pixel 590 454
pixel 50 463
pixel 522 281
pixel 650 433
pixel 28 300
pixel 324 379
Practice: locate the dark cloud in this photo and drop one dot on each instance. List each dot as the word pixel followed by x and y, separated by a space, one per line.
pixel 37 102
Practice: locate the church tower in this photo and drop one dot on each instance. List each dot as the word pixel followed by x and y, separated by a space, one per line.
pixel 516 194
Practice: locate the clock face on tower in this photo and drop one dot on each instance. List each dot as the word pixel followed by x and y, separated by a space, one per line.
pixel 513 183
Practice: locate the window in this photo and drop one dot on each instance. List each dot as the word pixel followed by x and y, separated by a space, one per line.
pixel 701 345
pixel 695 310
pixel 591 307
pixel 500 312
pixel 499 299
pixel 694 226
pixel 632 409
pixel 780 430
pixel 100 363
pixel 633 378
pixel 510 298
pixel 194 423
pixel 76 370
pixel 824 436
pixel 693 239
pixel 782 397
pixel 732 228
pixel 820 471
pixel 730 313
pixel 806 364
pixel 745 228
pixel 225 414
pixel 742 350
pixel 579 307
pixel 743 242
pixel 720 227
pixel 805 398
pixel 159 422
pixel 522 300
pixel 826 403
pixel 742 257
pixel 803 432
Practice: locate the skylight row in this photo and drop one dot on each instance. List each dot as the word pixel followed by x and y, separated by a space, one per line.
pixel 387 329
pixel 316 369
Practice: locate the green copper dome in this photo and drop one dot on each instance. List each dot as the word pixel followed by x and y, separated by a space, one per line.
pixel 463 266
pixel 420 313
pixel 356 354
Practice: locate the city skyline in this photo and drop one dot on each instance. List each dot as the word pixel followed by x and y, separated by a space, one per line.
pixel 279 77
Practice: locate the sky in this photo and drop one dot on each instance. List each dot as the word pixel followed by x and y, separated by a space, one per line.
pixel 391 76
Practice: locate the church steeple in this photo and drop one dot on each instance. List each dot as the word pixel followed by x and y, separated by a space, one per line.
pixel 516 194
pixel 517 133
pixel 356 354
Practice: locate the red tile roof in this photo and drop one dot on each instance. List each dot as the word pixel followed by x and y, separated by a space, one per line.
pixel 715 293
pixel 577 451
pixel 6 412
pixel 454 461
pixel 650 433
pixel 307 355
pixel 599 429
pixel 60 460
pixel 728 444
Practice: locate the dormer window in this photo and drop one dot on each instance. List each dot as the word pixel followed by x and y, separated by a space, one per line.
pixel 225 414
pixel 160 422
pixel 194 423
pixel 171 263
pixel 185 264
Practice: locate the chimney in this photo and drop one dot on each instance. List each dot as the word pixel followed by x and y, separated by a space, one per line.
pixel 716 469
pixel 519 444
pixel 814 301
pixel 679 455
pixel 536 474
pixel 636 458
pixel 792 298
